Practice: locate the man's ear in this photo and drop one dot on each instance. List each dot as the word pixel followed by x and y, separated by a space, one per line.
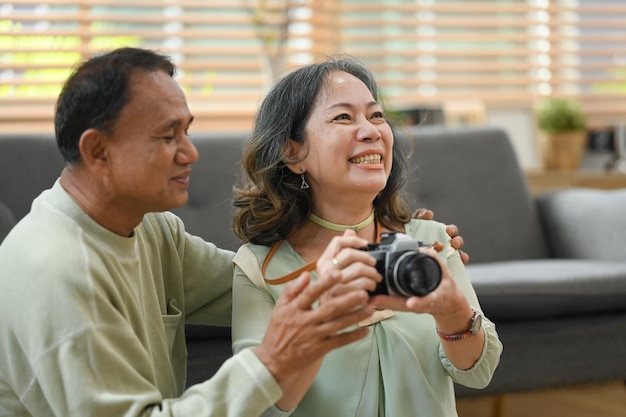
pixel 93 149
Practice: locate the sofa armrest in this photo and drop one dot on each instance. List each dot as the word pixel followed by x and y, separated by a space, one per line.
pixel 585 223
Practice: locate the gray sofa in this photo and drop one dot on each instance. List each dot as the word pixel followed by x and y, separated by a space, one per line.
pixel 549 271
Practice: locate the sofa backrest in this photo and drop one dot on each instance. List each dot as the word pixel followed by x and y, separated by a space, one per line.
pixel 209 211
pixel 585 223
pixel 29 164
pixel 7 221
pixel 470 176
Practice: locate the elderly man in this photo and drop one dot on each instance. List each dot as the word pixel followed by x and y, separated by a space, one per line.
pixel 99 278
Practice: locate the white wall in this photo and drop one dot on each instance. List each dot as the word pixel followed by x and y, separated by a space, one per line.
pixel 520 125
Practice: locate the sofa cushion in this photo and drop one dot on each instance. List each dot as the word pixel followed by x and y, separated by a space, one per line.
pixel 527 290
pixel 585 223
pixel 552 353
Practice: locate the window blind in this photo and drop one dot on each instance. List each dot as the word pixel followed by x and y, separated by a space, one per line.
pixel 227 52
pixel 424 52
pixel 495 52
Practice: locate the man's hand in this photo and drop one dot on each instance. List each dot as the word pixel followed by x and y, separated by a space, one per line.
pixel 300 334
pixel 456 240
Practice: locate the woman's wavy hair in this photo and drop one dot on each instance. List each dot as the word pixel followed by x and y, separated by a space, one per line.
pixel 270 204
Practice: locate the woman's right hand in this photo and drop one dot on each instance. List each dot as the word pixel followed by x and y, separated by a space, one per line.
pixel 357 268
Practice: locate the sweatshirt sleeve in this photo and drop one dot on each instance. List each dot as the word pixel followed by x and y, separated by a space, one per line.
pixel 242 387
pixel 101 372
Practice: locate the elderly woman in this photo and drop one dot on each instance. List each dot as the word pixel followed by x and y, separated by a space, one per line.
pixel 325 172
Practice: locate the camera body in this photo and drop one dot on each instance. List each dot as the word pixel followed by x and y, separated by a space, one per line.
pixel 406 272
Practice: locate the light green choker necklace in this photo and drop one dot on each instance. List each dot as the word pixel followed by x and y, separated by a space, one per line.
pixel 341 227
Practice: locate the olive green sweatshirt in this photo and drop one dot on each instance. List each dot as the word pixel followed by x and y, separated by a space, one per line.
pixel 92 324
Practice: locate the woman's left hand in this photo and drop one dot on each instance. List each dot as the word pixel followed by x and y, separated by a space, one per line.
pixel 451 311
pixel 446 302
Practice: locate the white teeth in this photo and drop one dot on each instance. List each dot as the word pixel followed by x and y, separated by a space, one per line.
pixel 367 159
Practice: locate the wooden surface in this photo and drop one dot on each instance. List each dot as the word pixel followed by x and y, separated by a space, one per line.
pixel 595 400
pixel 541 181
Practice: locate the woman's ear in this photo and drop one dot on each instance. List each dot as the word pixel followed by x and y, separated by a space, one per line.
pixel 294 152
pixel 295 168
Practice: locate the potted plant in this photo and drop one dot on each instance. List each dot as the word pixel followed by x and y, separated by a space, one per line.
pixel 563 124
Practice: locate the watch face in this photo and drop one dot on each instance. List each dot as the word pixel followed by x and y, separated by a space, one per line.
pixel 476 324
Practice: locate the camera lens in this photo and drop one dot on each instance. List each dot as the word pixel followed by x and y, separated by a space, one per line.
pixel 416 274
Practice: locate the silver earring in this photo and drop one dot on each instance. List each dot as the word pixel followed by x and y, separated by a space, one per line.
pixel 304 183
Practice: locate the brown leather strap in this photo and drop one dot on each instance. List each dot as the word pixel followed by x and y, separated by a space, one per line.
pixel 286 278
pixel 295 274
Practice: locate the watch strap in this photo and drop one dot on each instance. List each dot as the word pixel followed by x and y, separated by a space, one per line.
pixel 455 337
pixel 463 335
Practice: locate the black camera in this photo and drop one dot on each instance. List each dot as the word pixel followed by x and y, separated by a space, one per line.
pixel 406 272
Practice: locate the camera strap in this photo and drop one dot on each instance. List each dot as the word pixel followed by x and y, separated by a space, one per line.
pixel 295 274
pixel 377 316
pixel 285 278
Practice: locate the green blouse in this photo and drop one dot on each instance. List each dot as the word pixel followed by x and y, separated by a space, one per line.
pixel 399 369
